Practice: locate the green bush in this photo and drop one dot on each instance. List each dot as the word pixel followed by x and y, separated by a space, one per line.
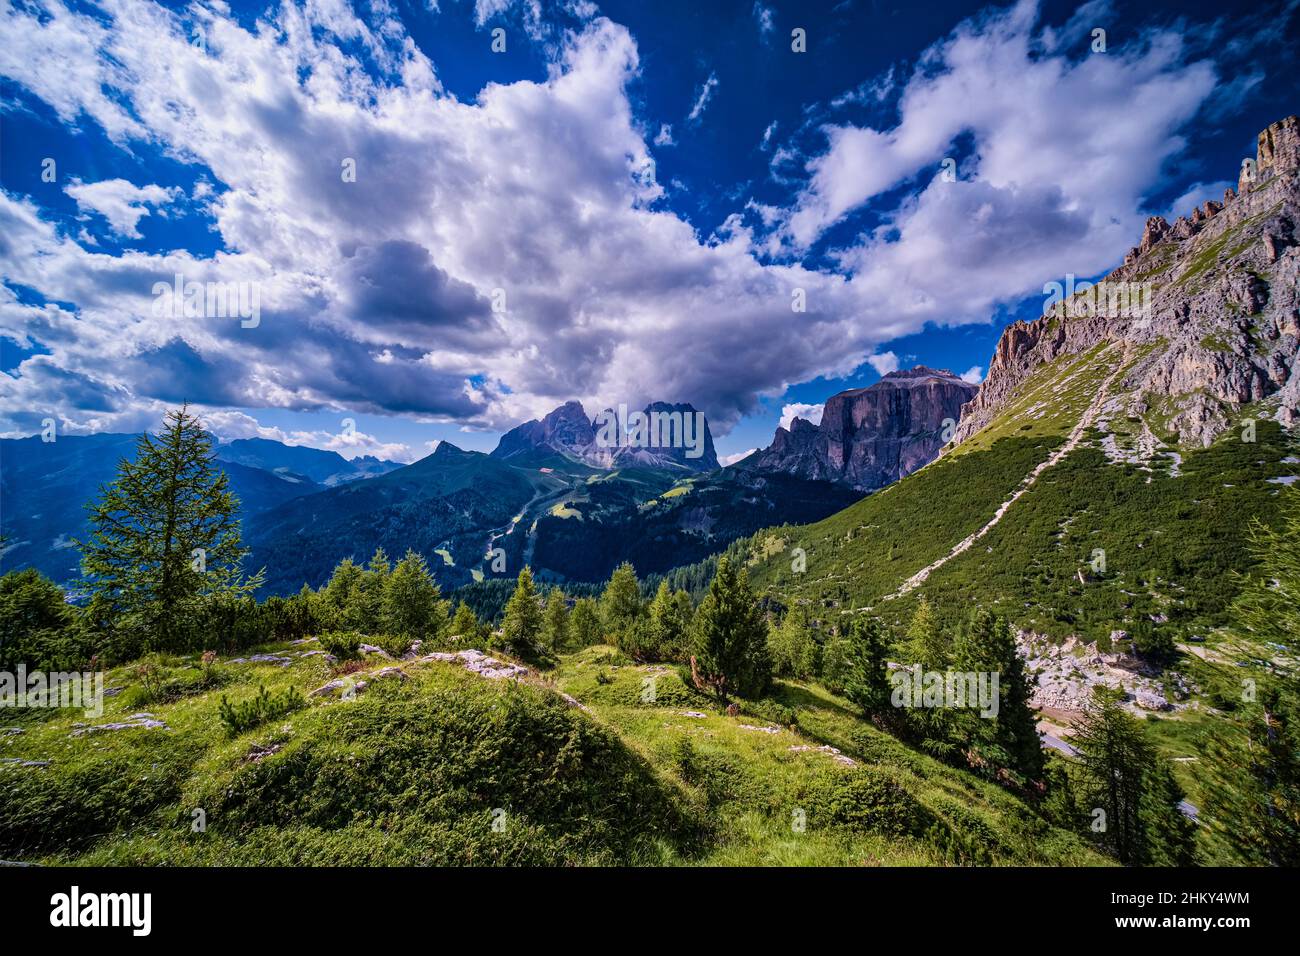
pixel 395 645
pixel 264 706
pixel 869 800
pixel 344 645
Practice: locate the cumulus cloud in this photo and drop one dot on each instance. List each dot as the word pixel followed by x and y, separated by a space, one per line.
pixel 974 374
pixel 790 412
pixel 121 204
pixel 1061 146
pixel 884 363
pixel 350 443
pixel 470 272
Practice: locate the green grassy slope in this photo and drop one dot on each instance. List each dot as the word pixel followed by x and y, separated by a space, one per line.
pixel 416 771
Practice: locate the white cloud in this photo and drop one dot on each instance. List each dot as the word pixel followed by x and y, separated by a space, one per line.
pixel 812 413
pixel 703 97
pixel 765 17
pixel 884 363
pixel 974 374
pixel 376 294
pixel 121 204
pixel 726 460
pixel 230 425
pixel 1081 139
pixel 665 135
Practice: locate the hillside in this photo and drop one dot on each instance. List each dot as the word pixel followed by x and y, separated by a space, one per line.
pixel 1082 440
pixel 1104 482
pixel 429 763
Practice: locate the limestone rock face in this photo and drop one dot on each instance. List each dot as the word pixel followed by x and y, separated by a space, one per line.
pixel 565 430
pixel 568 432
pixel 871 437
pixel 1219 329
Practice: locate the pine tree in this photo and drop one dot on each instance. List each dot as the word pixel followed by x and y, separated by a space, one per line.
pixel 37 626
pixel 729 638
pixel 1009 740
pixel 522 628
pixel 164 537
pixel 556 625
pixel 1122 776
pixel 925 643
pixel 465 626
pixel 584 622
pixel 411 603
pixel 665 631
pixel 1252 779
pixel 866 677
pixel 338 600
pixel 620 605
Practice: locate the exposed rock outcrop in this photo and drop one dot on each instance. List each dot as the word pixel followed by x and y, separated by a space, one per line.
pixel 871 437
pixel 1212 312
pixel 665 436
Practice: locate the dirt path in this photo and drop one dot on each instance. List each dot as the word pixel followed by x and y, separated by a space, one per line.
pixel 1076 435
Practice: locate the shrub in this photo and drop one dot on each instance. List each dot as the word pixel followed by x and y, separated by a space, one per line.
pixel 395 645
pixel 872 800
pixel 37 627
pixel 343 645
pixel 264 706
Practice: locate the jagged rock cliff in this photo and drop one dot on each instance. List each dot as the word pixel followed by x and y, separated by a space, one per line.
pixel 673 436
pixel 871 437
pixel 1205 308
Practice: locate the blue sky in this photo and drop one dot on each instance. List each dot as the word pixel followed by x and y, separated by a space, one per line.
pixel 621 206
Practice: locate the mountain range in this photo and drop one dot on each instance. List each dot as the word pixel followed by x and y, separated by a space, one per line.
pixel 1176 373
pixel 570 495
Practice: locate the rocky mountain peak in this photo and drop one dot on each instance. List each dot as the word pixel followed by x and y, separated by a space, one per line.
pixel 661 435
pixel 1204 311
pixel 871 437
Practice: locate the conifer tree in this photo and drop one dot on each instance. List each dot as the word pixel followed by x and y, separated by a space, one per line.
pixel 1121 775
pixel 165 536
pixel 523 624
pixel 411 603
pixel 465 625
pixel 556 625
pixel 986 644
pixel 620 605
pixel 1252 779
pixel 729 637
pixel 665 633
pixel 1253 771
pixel 339 598
pixel 866 676
pixel 584 622
pixel 925 643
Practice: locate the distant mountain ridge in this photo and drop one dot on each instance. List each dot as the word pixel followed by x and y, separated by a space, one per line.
pixel 871 437
pixel 661 435
pixel 323 467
